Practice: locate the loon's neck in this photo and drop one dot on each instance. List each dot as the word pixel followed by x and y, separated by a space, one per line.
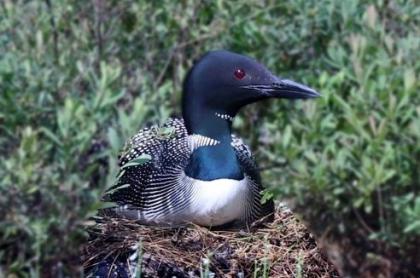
pixel 212 162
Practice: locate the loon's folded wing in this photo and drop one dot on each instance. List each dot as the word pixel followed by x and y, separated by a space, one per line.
pixel 152 185
pixel 157 190
pixel 258 209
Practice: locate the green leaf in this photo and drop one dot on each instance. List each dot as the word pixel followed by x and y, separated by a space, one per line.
pixel 166 132
pixel 106 205
pixel 287 135
pixel 415 226
pixel 142 159
pixel 121 173
pixel 409 79
pixel 112 190
pixel 267 195
pixel 51 135
pixel 114 139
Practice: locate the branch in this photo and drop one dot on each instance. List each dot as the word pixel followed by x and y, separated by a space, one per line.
pixel 54 30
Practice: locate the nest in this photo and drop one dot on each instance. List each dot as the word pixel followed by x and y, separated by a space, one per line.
pixel 283 248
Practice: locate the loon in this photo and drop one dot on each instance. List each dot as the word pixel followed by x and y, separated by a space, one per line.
pixel 202 173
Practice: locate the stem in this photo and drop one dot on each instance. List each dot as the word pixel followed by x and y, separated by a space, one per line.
pixel 98 9
pixel 54 30
pixel 381 209
pixel 363 222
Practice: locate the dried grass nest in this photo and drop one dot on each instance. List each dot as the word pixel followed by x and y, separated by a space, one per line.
pixel 283 248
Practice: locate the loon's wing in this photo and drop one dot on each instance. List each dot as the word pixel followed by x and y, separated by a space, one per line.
pixel 246 160
pixel 157 190
pixel 151 187
pixel 251 171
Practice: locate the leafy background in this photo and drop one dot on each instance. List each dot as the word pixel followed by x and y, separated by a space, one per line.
pixel 78 78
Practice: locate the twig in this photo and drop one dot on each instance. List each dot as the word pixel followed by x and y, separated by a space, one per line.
pixel 54 30
pixel 381 208
pixel 174 49
pixel 363 222
pixel 98 8
pixel 273 166
pixel 165 68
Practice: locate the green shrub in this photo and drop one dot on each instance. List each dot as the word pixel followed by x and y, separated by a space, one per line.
pixel 352 158
pixel 77 78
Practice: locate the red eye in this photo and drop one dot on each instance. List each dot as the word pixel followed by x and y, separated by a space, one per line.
pixel 239 73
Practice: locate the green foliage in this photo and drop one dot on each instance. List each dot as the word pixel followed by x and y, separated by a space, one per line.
pixel 352 158
pixel 78 78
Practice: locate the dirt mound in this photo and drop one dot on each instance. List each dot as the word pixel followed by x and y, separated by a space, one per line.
pixel 283 248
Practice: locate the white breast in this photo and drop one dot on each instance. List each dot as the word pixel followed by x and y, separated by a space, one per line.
pixel 211 203
pixel 218 201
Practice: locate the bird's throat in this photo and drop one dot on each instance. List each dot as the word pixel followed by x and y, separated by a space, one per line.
pixel 212 162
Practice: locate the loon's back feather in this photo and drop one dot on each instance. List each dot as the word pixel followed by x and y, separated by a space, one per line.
pixel 159 192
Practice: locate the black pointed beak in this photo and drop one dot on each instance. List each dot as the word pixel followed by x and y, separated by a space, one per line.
pixel 284 88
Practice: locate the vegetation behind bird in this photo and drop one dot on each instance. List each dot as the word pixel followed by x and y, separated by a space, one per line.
pixel 78 78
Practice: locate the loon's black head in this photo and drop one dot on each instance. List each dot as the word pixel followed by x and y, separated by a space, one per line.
pixel 222 82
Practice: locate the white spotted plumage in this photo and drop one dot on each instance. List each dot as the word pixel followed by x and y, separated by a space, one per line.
pixel 224 116
pixel 159 191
